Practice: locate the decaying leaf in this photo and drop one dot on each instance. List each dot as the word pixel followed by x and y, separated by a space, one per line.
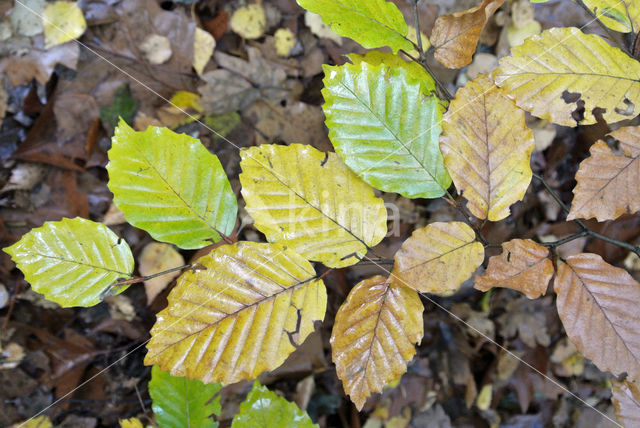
pixel 372 23
pixel 285 40
pixel 455 36
pixel 243 312
pixel 526 320
pixel 438 258
pixel 619 15
pixel 609 184
pixel 73 262
pixel 156 48
pixel 62 21
pixel 523 266
pixel 203 46
pixel 249 21
pixel 487 149
pixel 598 306
pixel 311 202
pixel 394 145
pixel 626 401
pixel 374 335
pixel 567 77
pixel 158 257
pixel 319 28
pixel 25 17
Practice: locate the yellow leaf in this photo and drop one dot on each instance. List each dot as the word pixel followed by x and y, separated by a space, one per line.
pixel 311 202
pixel 483 401
pixel 203 46
pixel 37 422
pixel 554 74
pixel 183 108
pixel 158 257
pixel 246 308
pixel 619 15
pixel 609 184
pixel 523 266
pixel 438 258
pixel 62 21
pixel 131 423
pixel 487 149
pixel 374 335
pixel 249 21
pixel 456 35
pixel 285 40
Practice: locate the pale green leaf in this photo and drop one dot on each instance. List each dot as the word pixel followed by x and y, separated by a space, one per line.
pixel 170 185
pixel 73 262
pixel 180 402
pixel 263 408
pixel 385 129
pixel 372 23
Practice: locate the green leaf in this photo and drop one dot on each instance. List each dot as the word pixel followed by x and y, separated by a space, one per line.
pixel 385 129
pixel 73 262
pixel 180 402
pixel 171 186
pixel 123 106
pixel 264 408
pixel 372 23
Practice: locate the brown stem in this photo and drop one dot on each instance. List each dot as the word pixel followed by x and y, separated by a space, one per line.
pixel 416 19
pixel 16 291
pixel 144 278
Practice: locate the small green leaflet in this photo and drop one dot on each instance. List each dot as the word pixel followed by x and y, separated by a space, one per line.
pixel 372 23
pixel 123 105
pixel 73 262
pixel 171 186
pixel 265 409
pixel 384 127
pixel 180 402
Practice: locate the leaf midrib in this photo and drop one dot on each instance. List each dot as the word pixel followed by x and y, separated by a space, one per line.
pixel 73 261
pixel 557 73
pixel 357 12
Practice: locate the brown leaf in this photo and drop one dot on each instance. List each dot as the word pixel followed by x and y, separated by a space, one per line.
pixel 373 336
pixel 158 257
pixel 523 266
pixel 456 35
pixel 609 184
pixel 626 401
pixel 597 304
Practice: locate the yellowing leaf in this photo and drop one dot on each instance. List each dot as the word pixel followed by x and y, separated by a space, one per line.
pixel 158 257
pixel 438 258
pixel 523 266
pixel 73 262
pixel 619 15
pixel 456 35
pixel 243 312
pixel 609 184
pixel 183 108
pixel 131 423
pixel 311 202
pixel 626 401
pixel 37 422
pixel 373 336
pixel 562 69
pixel 285 40
pixel 372 23
pixel 249 21
pixel 487 149
pixel 156 48
pixel 62 21
pixel 203 46
pixel 598 306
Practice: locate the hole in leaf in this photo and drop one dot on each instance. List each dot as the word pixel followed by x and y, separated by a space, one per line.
pixel 570 97
pixel 578 113
pixel 628 110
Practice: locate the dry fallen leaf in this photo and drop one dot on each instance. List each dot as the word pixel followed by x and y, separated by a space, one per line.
pixel 285 40
pixel 456 35
pixel 158 257
pixel 319 28
pixel 626 401
pixel 249 21
pixel 203 46
pixel 523 266
pixel 63 21
pixel 25 17
pixel 156 48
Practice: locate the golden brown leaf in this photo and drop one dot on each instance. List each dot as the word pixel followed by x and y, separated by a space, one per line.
pixel 523 266
pixel 487 148
pixel 456 35
pixel 598 306
pixel 373 336
pixel 243 314
pixel 438 258
pixel 626 401
pixel 609 184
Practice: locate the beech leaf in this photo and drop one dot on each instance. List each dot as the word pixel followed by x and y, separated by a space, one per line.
pixel 171 186
pixel 438 258
pixel 557 74
pixel 626 402
pixel 180 402
pixel 311 202
pixel 372 23
pixel 385 129
pixel 619 15
pixel 522 266
pixel 263 408
pixel 62 21
pixel 456 35
pixel 73 262
pixel 598 306
pixel 609 184
pixel 241 312
pixel 487 149
pixel 373 336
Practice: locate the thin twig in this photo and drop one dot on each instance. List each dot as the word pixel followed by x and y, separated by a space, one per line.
pixel 145 278
pixel 416 19
pixel 555 244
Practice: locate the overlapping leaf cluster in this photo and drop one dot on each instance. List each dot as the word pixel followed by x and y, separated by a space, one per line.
pixel 244 307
